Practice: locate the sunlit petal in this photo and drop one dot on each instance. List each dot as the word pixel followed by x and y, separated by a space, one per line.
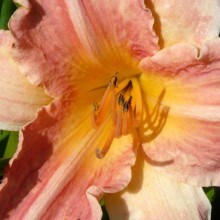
pixel 89 41
pixel 151 195
pixel 190 139
pixel 112 92
pixel 185 21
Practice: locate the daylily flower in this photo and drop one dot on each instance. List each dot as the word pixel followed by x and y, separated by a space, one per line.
pixel 116 100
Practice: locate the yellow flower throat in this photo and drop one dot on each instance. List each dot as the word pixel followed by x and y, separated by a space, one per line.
pixel 125 101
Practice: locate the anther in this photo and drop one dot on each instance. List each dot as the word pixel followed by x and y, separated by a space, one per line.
pixel 125 107
pixel 127 104
pixel 129 84
pixel 99 154
pixel 114 80
pixel 129 100
pixel 95 106
pixel 121 99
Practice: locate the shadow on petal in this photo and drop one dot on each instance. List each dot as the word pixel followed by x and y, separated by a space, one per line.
pixel 157 22
pixel 23 173
pixel 30 22
pixel 155 120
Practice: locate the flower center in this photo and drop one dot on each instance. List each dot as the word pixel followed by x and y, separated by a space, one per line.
pixel 125 101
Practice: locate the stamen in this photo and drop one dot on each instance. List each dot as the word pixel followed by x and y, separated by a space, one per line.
pixel 127 104
pixel 121 103
pixel 126 117
pixel 121 99
pixel 99 115
pixel 125 107
pixel 106 96
pixel 113 84
pixel 122 85
pixel 114 80
pixel 93 118
pixel 114 108
pixel 129 100
pixel 107 145
pixel 124 101
pixel 95 106
pixel 119 122
pixel 126 125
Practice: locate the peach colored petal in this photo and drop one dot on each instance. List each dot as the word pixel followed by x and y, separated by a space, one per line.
pixel 188 146
pixel 19 99
pixel 56 175
pixel 151 195
pixel 185 21
pixel 59 60
pixel 189 153
pixel 127 25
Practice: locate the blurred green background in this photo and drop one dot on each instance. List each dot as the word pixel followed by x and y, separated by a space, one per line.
pixel 9 139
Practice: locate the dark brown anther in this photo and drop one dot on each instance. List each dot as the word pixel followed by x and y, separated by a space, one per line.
pixel 99 154
pixel 127 104
pixel 125 107
pixel 129 100
pixel 114 80
pixel 95 106
pixel 121 99
pixel 129 84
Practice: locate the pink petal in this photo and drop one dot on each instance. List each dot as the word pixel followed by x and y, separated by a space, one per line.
pixel 56 174
pixel 58 41
pixel 151 195
pixel 185 21
pixel 19 99
pixel 188 147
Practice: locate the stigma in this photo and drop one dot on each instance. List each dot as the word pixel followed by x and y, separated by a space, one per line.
pixel 124 102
